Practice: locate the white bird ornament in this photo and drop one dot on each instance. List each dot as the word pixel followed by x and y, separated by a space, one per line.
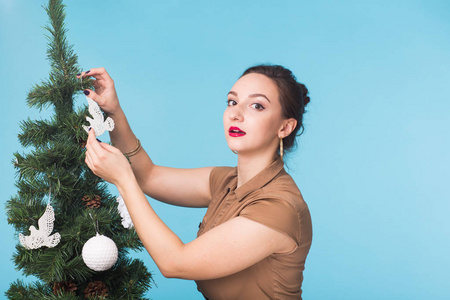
pixel 98 123
pixel 41 237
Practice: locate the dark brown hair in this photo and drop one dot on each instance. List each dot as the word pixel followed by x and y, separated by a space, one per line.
pixel 293 97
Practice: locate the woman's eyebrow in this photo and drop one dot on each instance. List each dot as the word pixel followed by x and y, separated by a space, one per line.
pixel 259 95
pixel 251 96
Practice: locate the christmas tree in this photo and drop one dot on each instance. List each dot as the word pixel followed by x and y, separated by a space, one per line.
pixel 59 196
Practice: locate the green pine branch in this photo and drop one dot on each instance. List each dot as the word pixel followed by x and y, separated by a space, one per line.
pixel 60 54
pixel 39 133
pixel 55 161
pixel 21 291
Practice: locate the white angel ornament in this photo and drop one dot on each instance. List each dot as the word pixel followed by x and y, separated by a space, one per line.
pixel 41 237
pixel 98 123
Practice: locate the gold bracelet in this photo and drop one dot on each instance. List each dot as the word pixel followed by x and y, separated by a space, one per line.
pixel 135 151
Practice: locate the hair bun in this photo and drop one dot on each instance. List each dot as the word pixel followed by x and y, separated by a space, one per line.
pixel 305 92
pixel 306 100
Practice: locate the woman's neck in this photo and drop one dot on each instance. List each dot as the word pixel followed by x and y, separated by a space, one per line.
pixel 249 166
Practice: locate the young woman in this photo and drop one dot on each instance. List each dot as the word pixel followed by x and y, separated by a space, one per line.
pixel 256 234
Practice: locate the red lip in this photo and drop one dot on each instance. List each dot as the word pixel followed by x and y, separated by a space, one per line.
pixel 235 132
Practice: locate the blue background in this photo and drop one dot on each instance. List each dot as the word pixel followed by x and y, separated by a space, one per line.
pixel 373 163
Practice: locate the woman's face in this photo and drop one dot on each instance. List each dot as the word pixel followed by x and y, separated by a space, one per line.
pixel 253 118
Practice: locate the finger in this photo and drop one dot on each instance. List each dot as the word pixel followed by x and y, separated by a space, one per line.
pixel 96 84
pixel 84 74
pixel 92 94
pixel 99 147
pixel 92 145
pixel 99 73
pixel 92 139
pixel 109 148
pixel 88 160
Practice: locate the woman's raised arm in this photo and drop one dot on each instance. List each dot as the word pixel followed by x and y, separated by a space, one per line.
pixel 223 250
pixel 182 187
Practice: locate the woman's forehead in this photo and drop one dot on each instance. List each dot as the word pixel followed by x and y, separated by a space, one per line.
pixel 255 83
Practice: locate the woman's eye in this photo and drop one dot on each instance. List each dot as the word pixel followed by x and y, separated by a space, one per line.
pixel 231 102
pixel 257 106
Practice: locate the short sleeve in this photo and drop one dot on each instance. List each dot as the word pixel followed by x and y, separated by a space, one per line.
pixel 276 214
pixel 219 178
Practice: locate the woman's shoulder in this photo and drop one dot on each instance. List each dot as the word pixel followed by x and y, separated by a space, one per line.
pixel 220 177
pixel 283 188
pixel 223 171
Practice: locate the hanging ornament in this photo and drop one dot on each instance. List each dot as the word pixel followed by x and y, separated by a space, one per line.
pixel 98 123
pixel 100 252
pixel 122 208
pixel 41 237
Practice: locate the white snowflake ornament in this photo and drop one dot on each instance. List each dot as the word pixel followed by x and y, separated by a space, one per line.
pixel 98 123
pixel 100 253
pixel 41 237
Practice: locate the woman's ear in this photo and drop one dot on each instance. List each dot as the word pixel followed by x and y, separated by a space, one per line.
pixel 288 126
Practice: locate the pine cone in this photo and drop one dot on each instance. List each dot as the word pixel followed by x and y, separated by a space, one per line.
pixel 64 286
pixel 92 201
pixel 96 289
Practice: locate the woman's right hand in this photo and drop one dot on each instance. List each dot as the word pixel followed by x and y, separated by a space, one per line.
pixel 105 92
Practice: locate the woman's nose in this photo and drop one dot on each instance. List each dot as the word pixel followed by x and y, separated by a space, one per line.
pixel 236 114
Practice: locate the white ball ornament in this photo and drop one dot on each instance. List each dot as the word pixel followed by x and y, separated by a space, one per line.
pixel 100 253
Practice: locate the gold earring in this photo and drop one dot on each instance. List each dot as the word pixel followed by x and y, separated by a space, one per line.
pixel 235 152
pixel 281 148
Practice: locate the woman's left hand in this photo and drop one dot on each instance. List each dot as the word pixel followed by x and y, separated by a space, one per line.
pixel 106 161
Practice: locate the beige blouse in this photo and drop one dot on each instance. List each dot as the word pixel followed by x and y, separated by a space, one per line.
pixel 271 198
